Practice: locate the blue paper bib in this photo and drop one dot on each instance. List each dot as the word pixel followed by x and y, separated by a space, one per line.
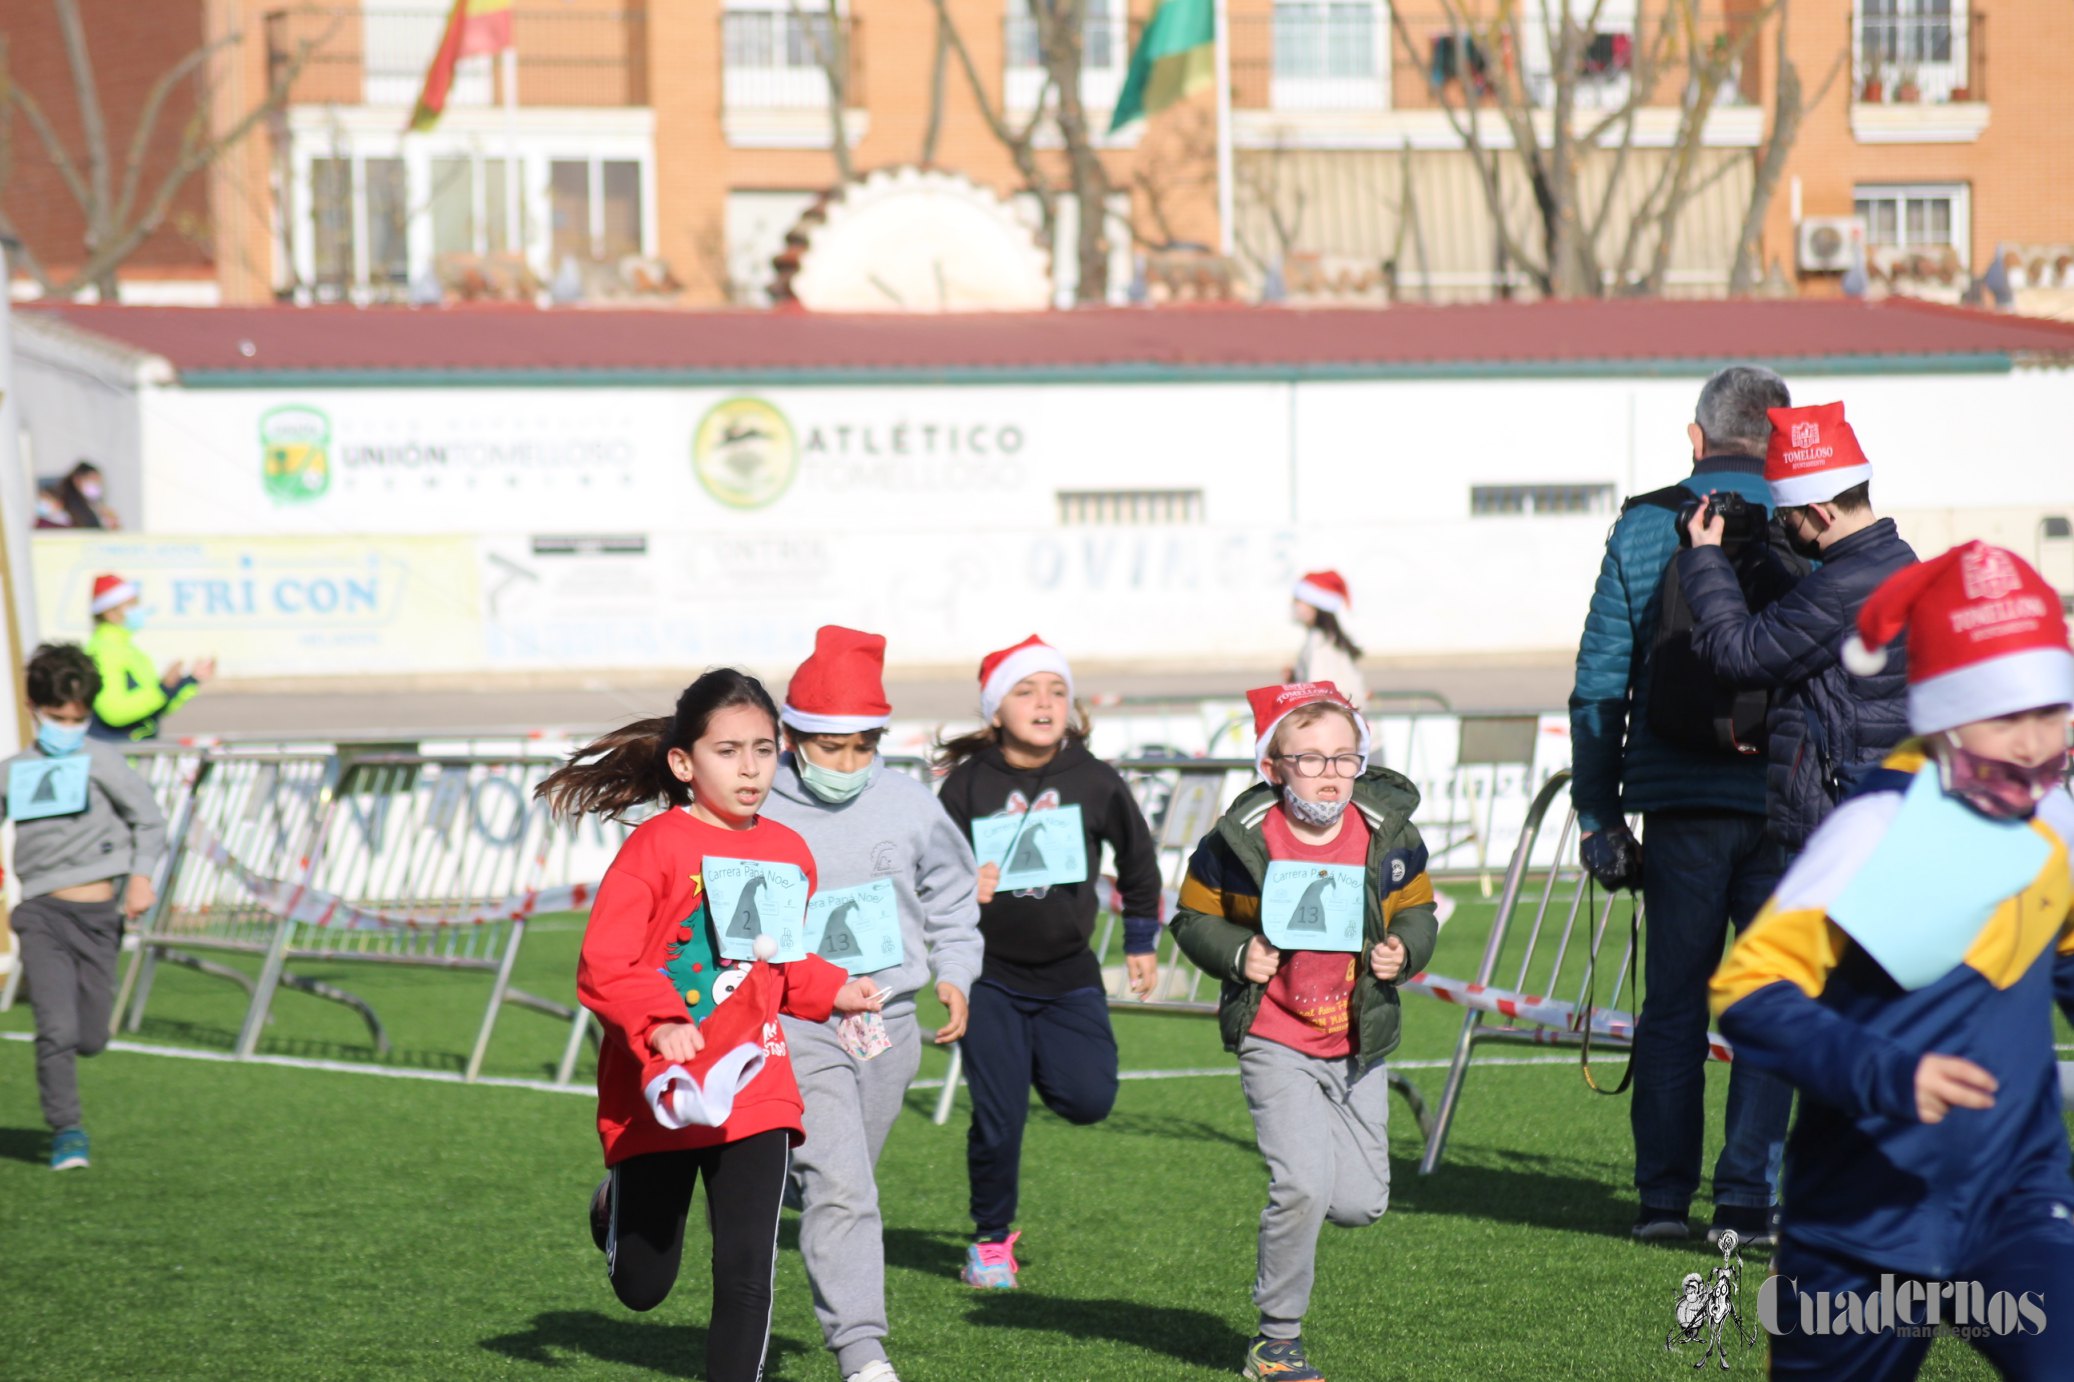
pixel 1932 882
pixel 1035 849
pixel 753 897
pixel 38 788
pixel 857 928
pixel 1312 906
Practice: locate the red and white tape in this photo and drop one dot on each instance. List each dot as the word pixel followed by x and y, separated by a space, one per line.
pixel 1552 1013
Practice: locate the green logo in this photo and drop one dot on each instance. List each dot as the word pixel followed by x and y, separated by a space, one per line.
pixel 295 446
pixel 744 453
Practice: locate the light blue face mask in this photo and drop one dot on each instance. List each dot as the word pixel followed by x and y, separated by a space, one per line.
pixel 59 741
pixel 830 786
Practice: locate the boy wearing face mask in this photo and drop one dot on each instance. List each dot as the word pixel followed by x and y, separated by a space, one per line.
pixel 88 835
pixel 1827 726
pixel 882 843
pixel 1311 1026
pixel 1904 977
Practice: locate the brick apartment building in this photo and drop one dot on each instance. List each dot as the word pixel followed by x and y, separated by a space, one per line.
pixel 666 149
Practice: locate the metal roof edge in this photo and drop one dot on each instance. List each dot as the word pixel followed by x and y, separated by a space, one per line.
pixel 1126 372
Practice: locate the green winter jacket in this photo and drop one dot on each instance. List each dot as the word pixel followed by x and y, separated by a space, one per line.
pixel 1220 906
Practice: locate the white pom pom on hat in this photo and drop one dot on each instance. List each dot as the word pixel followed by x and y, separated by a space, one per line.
pixel 1861 661
pixel 765 947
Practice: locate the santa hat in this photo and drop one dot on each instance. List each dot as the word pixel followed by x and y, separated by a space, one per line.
pixel 1813 455
pixel 840 689
pixel 1274 704
pixel 999 672
pixel 110 591
pixel 1324 590
pixel 701 1092
pixel 1985 637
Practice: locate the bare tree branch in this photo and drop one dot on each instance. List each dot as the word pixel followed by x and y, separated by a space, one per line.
pixel 831 50
pixel 148 117
pixel 91 125
pixel 1020 144
pixel 938 69
pixel 1787 110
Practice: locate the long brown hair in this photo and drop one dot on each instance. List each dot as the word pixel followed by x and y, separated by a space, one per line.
pixel 630 767
pixel 1327 623
pixel 949 753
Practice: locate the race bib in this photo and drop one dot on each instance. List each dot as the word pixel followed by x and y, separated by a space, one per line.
pixel 42 787
pixel 1313 906
pixel 748 898
pixel 857 928
pixel 1035 849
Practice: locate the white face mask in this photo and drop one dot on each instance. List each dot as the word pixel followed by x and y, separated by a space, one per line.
pixel 829 785
pixel 1313 813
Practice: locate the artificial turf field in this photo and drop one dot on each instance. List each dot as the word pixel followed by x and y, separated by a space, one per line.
pixel 259 1220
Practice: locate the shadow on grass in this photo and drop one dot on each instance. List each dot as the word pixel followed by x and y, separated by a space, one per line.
pixel 24 1144
pixel 1515 1188
pixel 920 1250
pixel 1194 1337
pixel 674 1350
pixel 209 1037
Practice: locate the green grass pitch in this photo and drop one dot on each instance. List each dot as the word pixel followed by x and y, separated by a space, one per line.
pixel 262 1221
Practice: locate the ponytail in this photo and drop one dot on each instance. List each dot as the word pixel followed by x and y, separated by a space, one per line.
pixel 1328 624
pixel 629 768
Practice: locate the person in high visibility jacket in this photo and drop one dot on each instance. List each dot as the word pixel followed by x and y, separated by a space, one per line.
pixel 135 695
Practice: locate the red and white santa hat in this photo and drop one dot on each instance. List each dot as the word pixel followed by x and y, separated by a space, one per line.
pixel 1324 590
pixel 110 591
pixel 841 689
pixel 1813 455
pixel 701 1092
pixel 1986 637
pixel 1274 704
pixel 999 672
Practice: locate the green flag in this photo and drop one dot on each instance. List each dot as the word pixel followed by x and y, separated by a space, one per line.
pixel 1176 58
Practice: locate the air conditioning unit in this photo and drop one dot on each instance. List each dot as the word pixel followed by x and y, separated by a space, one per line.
pixel 1830 244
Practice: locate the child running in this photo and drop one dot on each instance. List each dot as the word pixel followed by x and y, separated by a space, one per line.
pixel 87 836
pixel 666 977
pixel 896 901
pixel 1310 914
pixel 1038 808
pixel 1904 977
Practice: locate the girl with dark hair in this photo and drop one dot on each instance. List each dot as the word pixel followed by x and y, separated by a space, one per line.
pixel 694 1076
pixel 1318 601
pixel 76 500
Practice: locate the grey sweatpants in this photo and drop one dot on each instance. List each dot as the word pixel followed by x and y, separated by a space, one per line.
pixel 850 1108
pixel 1324 1134
pixel 69 952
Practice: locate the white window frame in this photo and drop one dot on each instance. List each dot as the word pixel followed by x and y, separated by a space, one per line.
pixel 1959 194
pixel 1936 77
pixel 780 85
pixel 1099 86
pixel 1601 497
pixel 1537 63
pixel 1289 92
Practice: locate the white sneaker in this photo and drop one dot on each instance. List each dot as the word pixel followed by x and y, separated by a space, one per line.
pixel 880 1371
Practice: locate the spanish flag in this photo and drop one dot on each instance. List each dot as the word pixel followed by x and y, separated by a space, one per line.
pixel 1176 58
pixel 472 27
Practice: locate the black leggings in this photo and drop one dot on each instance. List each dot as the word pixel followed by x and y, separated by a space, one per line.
pixel 651 1195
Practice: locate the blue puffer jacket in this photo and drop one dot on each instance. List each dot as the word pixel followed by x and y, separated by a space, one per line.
pixel 1826 726
pixel 1617 765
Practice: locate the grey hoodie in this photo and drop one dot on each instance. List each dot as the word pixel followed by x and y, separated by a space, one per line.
pixel 895 829
pixel 121 831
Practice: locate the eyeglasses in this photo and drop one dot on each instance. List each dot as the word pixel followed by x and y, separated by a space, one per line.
pixel 1313 764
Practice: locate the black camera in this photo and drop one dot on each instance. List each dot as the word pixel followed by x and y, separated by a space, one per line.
pixel 1731 508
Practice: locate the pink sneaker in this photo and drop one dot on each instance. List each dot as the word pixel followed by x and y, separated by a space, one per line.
pixel 991 1266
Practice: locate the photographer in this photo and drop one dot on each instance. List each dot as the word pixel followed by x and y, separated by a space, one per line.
pixel 1708 863
pixel 1826 727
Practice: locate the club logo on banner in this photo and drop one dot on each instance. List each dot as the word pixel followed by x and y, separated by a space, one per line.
pixel 295 450
pixel 745 453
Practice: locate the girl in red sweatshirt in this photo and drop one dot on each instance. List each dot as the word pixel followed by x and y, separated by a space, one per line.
pixel 694 1079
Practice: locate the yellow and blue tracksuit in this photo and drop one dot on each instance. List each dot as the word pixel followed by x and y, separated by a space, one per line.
pixel 1970 966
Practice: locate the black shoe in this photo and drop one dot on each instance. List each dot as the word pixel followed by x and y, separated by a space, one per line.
pixel 601 1213
pixel 1661 1226
pixel 1753 1227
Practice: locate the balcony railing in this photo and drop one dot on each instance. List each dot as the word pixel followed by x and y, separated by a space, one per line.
pixel 776 59
pixel 1919 58
pixel 1348 55
pixel 1105 56
pixel 353 57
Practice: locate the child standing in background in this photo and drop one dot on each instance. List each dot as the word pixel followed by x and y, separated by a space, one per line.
pixel 1319 601
pixel 1039 1014
pixel 1289 866
pixel 660 977
pixel 897 895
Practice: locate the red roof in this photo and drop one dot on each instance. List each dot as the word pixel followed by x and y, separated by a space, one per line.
pixel 221 345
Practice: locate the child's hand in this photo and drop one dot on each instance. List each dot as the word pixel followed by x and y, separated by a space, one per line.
pixel 1944 1083
pixel 1387 960
pixel 948 995
pixel 138 897
pixel 859 996
pixel 1144 972
pixel 676 1041
pixel 989 879
pixel 1262 960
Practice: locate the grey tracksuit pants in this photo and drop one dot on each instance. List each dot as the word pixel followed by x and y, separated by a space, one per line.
pixel 69 952
pixel 850 1108
pixel 1324 1134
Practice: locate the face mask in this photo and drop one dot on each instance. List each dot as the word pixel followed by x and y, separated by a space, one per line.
pixel 89 490
pixel 1313 813
pixel 832 787
pixel 1999 790
pixel 59 740
pixel 1807 548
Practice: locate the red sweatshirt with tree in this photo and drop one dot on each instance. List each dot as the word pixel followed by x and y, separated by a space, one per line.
pixel 651 956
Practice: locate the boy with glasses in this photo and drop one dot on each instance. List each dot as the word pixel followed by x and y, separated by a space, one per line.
pixel 1311 914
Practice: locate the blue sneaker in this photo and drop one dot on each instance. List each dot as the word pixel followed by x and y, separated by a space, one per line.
pixel 991 1266
pixel 1279 1360
pixel 68 1149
